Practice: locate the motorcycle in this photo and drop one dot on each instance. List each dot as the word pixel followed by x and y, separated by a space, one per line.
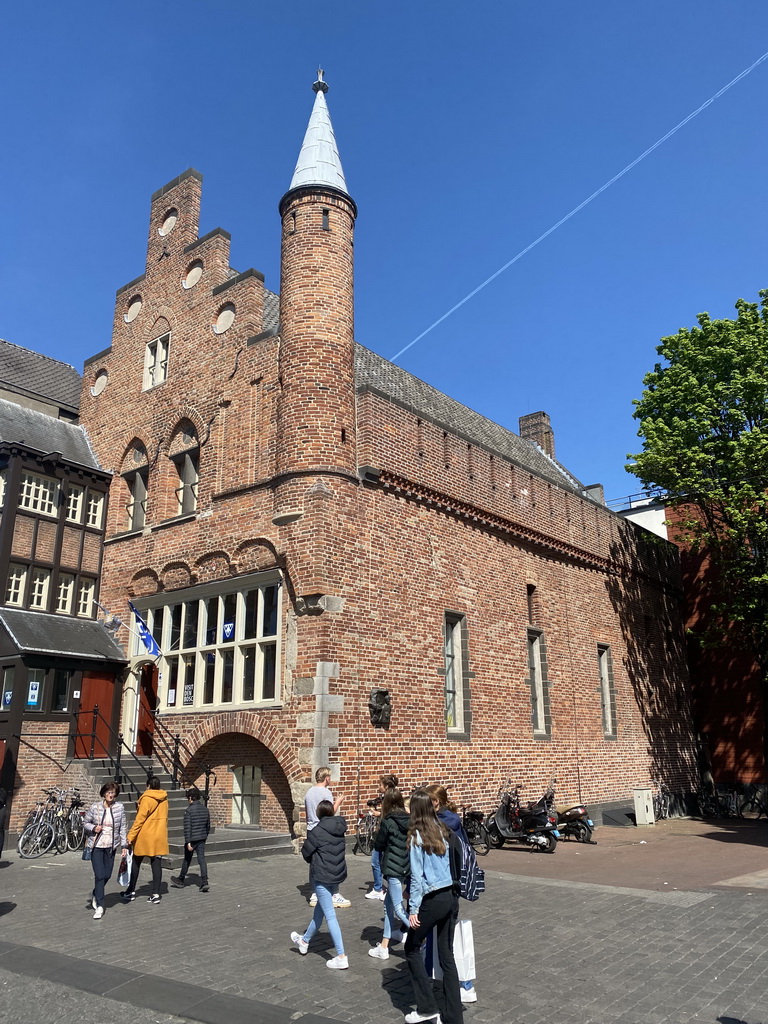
pixel 571 821
pixel 529 825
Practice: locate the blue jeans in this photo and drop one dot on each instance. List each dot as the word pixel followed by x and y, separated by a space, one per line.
pixel 394 912
pixel 324 909
pixel 376 869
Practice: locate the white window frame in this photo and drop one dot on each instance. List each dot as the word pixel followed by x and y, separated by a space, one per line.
pixel 16 586
pixel 74 510
pixel 156 361
pixel 65 593
pixel 187 465
pixel 39 494
pixel 453 664
pixel 39 588
pixel 136 509
pixel 85 594
pixel 184 654
pixel 3 485
pixel 95 511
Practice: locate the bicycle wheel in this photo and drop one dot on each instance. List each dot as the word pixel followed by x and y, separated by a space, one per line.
pixel 365 834
pixel 478 837
pixel 60 836
pixel 36 840
pixel 75 832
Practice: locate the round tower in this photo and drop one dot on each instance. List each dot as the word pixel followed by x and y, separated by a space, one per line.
pixel 316 419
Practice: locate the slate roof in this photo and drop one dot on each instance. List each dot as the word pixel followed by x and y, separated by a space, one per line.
pixel 374 373
pixel 40 633
pixel 36 374
pixel 45 434
pixel 271 316
pixel 319 162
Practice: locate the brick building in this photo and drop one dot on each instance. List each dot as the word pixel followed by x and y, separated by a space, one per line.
pixel 310 530
pixel 54 656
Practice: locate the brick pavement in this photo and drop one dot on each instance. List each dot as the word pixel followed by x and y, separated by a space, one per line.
pixel 549 949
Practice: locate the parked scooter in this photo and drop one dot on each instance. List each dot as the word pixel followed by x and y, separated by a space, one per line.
pixel 571 821
pixel 515 824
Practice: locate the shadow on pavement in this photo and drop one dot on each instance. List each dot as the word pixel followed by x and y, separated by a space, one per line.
pixel 6 908
pixel 751 833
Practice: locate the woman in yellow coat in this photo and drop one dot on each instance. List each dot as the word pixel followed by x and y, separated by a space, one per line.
pixel 149 837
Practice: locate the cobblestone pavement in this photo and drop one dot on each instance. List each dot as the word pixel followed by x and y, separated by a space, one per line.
pixel 549 949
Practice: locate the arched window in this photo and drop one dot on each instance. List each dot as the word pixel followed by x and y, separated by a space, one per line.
pixel 185 455
pixel 136 477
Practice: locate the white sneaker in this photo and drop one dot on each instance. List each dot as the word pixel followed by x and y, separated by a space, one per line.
pixel 375 894
pixel 98 914
pixel 340 901
pixel 339 963
pixel 299 940
pixel 468 995
pixel 379 951
pixel 313 900
pixel 414 1017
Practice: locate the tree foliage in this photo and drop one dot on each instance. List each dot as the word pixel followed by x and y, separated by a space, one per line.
pixel 704 423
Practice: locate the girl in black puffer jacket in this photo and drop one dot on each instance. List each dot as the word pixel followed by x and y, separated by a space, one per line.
pixel 325 850
pixel 391 843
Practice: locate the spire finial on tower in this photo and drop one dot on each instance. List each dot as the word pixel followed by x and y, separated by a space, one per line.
pixel 320 85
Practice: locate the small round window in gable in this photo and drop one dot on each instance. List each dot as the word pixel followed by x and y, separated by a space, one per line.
pixel 134 308
pixel 193 275
pixel 225 319
pixel 99 383
pixel 169 221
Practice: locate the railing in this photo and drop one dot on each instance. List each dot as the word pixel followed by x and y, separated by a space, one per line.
pixel 117 758
pixel 171 746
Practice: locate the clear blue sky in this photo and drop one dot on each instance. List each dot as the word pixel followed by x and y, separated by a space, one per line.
pixel 465 131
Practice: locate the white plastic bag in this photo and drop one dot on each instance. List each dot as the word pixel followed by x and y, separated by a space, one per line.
pixel 124 877
pixel 463 952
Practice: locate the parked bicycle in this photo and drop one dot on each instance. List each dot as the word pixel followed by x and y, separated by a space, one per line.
pixel 366 827
pixel 477 833
pixel 722 802
pixel 51 824
pixel 753 802
pixel 662 799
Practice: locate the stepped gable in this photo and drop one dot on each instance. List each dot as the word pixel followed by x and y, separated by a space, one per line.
pixel 376 374
pixel 36 374
pixel 40 432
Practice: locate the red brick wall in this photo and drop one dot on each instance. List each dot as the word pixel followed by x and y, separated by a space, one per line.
pixel 42 763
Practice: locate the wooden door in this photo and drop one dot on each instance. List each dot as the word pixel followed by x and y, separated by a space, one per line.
pixel 97 690
pixel 147 705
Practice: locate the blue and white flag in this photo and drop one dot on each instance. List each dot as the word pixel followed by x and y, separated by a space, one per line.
pixel 146 637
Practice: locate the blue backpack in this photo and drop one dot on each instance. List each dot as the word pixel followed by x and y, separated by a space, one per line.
pixel 468 877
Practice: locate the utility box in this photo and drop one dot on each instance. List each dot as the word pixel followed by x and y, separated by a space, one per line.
pixel 643 807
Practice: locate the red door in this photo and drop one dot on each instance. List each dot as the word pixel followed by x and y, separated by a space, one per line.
pixel 97 690
pixel 147 705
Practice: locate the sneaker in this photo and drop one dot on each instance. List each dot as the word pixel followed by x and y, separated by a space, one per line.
pixel 204 887
pixel 154 898
pixel 339 963
pixel 379 952
pixel 340 901
pixel 468 995
pixel 98 914
pixel 177 883
pixel 299 941
pixel 414 1017
pixel 313 900
pixel 375 894
pixel 94 904
pixel 129 897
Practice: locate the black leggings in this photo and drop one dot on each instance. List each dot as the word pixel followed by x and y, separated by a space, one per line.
pixel 157 873
pixel 438 910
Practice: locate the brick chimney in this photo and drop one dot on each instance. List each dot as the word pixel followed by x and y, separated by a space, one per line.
pixel 537 428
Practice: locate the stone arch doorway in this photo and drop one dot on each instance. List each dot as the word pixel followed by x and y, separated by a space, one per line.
pixel 251 788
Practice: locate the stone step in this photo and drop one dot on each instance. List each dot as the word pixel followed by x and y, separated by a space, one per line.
pixel 236 844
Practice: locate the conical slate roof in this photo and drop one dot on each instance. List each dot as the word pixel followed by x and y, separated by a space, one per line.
pixel 319 162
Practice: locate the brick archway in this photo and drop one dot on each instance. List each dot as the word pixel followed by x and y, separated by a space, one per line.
pixel 251 724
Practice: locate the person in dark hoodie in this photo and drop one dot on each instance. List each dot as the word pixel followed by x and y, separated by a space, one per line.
pixel 325 851
pixel 197 825
pixel 391 844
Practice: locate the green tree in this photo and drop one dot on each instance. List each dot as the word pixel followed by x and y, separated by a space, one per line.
pixel 704 423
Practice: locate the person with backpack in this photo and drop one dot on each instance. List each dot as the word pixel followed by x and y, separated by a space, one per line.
pixel 391 846
pixel 447 813
pixel 432 904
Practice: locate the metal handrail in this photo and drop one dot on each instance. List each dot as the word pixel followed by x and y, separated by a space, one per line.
pixel 173 745
pixel 117 759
